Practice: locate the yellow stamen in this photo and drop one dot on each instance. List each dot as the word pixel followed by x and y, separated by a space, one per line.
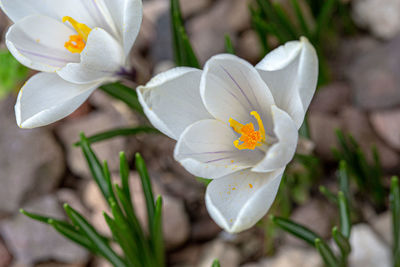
pixel 250 138
pixel 77 43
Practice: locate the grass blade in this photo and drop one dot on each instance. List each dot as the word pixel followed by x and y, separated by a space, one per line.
pixel 118 132
pixel 125 94
pixel 328 194
pixel 95 167
pixel 297 230
pixel 343 244
pixel 147 189
pixel 395 209
pixel 345 221
pixel 102 246
pixel 183 51
pixel 300 18
pixel 157 233
pixel 324 250
pixel 216 263
pixel 228 45
pixel 124 174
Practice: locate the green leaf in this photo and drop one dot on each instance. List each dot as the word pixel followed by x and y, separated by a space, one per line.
pixel 228 45
pixel 11 73
pixel 394 198
pixel 295 229
pixel 344 179
pixel 95 168
pixel 119 132
pixel 216 263
pixel 147 189
pixel 324 16
pixel 73 235
pixel 124 174
pixel 125 94
pixel 328 194
pixel 300 18
pixel 157 233
pixel 43 219
pixel 327 255
pixel 345 221
pixel 183 51
pixel 342 242
pixel 97 240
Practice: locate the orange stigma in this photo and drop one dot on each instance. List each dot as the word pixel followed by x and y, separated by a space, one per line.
pixel 250 137
pixel 77 43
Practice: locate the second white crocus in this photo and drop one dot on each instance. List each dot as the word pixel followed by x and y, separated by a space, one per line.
pixel 77 45
pixel 236 124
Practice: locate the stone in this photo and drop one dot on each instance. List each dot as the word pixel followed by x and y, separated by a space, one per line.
pixel 331 98
pixel 381 17
pixel 249 46
pixel 207 32
pixel 387 125
pixel 367 249
pixel 204 229
pixel 31 241
pixel 382 225
pixel 5 256
pixel 227 254
pixel 289 257
pixel 176 226
pixel 375 76
pixel 190 7
pixel 70 197
pixel 32 163
pixel 95 122
pixel 322 130
pixel 187 256
pixel 357 124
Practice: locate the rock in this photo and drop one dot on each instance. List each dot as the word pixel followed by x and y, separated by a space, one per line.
pixel 190 7
pixel 91 124
pixel 375 76
pixel 68 196
pixel 204 229
pixel 32 162
pixel 331 98
pixel 187 256
pixel 5 256
pixel 249 46
pixel 207 32
pixel 386 124
pixel 382 225
pixel 227 254
pixel 322 130
pixel 58 264
pixel 383 19
pixel 367 249
pixel 356 123
pixel 31 241
pixel 176 226
pixel 288 257
pixel 310 214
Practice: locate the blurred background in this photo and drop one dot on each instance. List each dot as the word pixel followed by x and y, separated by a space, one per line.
pixel 359 47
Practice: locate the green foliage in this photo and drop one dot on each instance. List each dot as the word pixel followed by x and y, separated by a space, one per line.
pixel 125 94
pixel 368 176
pixel 228 45
pixel 183 51
pixel 395 209
pixel 138 247
pixel 216 264
pixel 11 73
pixel 340 236
pixel 270 19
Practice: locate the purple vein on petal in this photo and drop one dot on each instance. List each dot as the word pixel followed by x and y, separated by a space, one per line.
pixel 238 86
pixel 207 153
pixel 215 160
pixel 42 56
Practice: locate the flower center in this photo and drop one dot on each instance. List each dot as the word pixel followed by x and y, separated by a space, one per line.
pixel 77 42
pixel 250 138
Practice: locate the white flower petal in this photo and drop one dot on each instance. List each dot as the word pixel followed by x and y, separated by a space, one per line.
pixel 38 42
pixel 282 152
pixel 171 100
pixel 127 15
pixel 102 57
pixel 88 12
pixel 206 149
pixel 46 98
pixel 232 88
pixel 238 201
pixel 291 73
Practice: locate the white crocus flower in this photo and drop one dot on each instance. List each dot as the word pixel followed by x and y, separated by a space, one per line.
pixel 236 124
pixel 77 45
